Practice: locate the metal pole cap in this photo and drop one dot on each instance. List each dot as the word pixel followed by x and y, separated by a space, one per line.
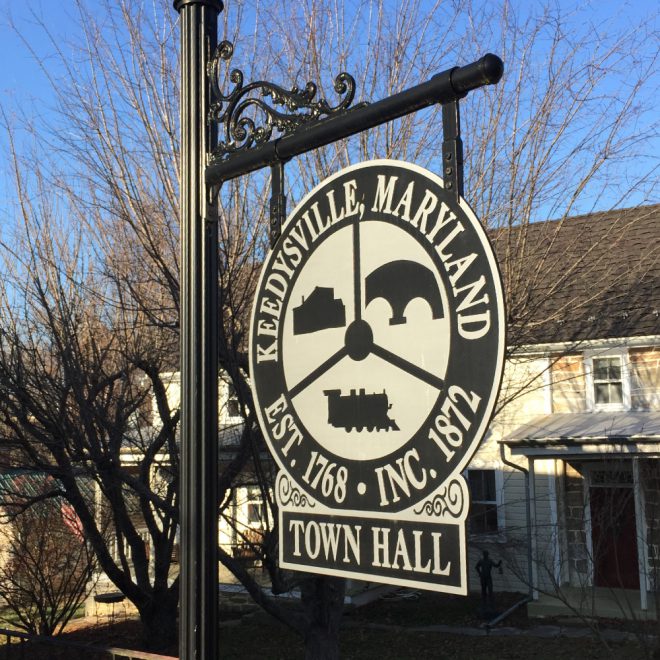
pixel 486 71
pixel 218 5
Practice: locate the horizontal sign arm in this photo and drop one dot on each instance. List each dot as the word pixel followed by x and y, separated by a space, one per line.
pixel 444 87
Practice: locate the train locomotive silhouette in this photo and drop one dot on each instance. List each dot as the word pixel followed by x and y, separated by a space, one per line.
pixel 359 410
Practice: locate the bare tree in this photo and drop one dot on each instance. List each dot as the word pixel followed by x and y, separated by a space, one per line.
pixel 77 374
pixel 91 296
pixel 47 566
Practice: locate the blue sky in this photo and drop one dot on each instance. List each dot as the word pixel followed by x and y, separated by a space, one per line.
pixel 23 85
pixel 20 75
pixel 22 79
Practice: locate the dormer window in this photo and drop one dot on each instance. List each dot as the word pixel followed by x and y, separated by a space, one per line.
pixel 608 383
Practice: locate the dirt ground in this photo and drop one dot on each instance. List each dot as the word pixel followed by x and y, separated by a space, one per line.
pixel 392 628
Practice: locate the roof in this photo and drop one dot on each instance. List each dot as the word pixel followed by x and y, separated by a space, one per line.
pixel 230 435
pixel 593 276
pixel 20 486
pixel 580 433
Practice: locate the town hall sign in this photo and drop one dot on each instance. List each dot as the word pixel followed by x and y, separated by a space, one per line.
pixel 376 355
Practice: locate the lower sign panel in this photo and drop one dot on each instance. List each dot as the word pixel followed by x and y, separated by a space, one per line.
pixel 420 554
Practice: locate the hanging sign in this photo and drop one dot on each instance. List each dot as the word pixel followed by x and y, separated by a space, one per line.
pixel 376 355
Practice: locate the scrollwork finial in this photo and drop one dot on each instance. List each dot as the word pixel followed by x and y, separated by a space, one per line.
pixel 247 120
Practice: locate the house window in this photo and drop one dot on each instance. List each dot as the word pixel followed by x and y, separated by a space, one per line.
pixel 233 407
pixel 255 507
pixel 608 383
pixel 483 511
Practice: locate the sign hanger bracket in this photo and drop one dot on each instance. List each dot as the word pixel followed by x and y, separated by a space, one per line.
pixel 452 148
pixel 277 201
pixel 248 145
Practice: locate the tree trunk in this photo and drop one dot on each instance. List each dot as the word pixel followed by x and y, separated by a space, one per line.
pixel 159 621
pixel 323 601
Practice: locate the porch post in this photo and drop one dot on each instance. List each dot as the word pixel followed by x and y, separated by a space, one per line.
pixel 640 525
pixel 532 524
pixel 198 580
pixel 562 525
pixel 553 502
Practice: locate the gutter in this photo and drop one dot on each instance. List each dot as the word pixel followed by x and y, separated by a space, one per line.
pixel 504 615
pixel 542 349
pixel 530 575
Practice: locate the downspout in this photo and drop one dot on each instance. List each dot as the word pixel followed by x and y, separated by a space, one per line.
pixel 530 573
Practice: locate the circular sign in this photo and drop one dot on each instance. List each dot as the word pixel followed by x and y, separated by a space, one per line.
pixel 377 338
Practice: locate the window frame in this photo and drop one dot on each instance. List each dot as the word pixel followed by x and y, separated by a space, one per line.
pixel 498 534
pixel 591 381
pixel 231 399
pixel 254 498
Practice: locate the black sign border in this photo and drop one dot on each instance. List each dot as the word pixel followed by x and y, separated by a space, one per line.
pixel 468 362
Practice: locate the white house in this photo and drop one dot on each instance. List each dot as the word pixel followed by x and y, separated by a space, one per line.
pixel 566 485
pixel 243 517
pixel 570 470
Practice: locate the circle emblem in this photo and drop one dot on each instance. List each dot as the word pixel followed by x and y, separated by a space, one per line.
pixel 377 338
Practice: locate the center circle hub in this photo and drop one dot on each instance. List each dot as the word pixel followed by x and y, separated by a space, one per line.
pixel 359 339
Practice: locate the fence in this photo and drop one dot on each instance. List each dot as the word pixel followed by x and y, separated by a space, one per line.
pixel 18 645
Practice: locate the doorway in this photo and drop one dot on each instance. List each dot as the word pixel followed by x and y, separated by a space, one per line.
pixel 614 536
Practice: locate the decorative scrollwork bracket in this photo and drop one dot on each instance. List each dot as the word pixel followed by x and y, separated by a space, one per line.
pixel 246 120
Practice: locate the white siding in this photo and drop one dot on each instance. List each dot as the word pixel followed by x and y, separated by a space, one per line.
pixel 525 390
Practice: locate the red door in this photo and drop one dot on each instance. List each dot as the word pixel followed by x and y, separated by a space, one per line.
pixel 614 536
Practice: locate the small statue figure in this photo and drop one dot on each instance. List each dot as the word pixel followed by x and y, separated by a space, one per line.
pixel 485 567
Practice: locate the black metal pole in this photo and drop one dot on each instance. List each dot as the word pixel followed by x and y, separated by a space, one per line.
pixel 444 87
pixel 198 604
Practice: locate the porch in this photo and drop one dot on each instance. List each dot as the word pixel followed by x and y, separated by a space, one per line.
pixel 594 602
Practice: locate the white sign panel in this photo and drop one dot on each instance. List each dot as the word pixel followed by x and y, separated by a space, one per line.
pixel 376 356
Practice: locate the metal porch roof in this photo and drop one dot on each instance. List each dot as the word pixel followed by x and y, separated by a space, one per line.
pixel 588 433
